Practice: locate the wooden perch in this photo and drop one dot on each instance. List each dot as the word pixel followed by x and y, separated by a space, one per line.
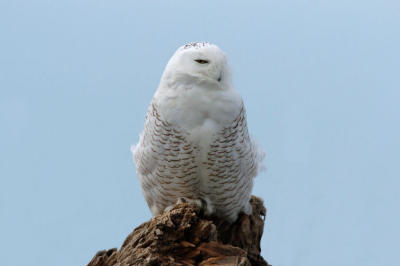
pixel 183 236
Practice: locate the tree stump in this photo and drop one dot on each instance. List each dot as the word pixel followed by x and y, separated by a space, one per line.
pixel 184 236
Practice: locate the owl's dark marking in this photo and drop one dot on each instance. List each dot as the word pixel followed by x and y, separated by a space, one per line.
pixel 195 45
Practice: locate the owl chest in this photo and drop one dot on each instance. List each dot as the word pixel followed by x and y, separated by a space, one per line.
pixel 198 109
pixel 200 116
pixel 200 120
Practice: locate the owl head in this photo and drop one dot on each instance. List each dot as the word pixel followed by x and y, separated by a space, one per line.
pixel 201 63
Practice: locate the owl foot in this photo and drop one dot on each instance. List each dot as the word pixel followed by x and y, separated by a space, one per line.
pixel 204 207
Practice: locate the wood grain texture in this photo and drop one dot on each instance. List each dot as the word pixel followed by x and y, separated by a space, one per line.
pixel 183 236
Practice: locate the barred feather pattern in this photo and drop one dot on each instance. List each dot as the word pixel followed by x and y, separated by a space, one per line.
pixel 166 163
pixel 232 163
pixel 169 166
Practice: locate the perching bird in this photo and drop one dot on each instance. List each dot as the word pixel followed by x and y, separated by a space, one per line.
pixel 195 144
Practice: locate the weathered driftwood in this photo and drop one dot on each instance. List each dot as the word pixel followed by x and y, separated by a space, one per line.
pixel 184 236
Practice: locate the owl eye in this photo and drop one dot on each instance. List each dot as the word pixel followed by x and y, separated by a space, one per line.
pixel 201 61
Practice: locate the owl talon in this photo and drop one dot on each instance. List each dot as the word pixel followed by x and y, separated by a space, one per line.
pixel 181 200
pixel 190 201
pixel 203 204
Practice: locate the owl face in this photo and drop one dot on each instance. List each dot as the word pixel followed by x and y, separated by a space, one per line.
pixel 202 62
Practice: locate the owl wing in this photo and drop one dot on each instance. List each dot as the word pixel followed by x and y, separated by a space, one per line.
pixel 233 161
pixel 165 162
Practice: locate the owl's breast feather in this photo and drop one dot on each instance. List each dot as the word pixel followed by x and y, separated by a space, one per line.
pixel 198 109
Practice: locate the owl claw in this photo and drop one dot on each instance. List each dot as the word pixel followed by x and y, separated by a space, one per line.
pixel 201 203
pixel 181 200
pixel 197 202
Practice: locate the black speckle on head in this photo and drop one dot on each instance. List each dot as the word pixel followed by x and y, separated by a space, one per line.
pixel 195 45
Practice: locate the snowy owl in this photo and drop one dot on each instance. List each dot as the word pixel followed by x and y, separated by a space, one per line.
pixel 195 145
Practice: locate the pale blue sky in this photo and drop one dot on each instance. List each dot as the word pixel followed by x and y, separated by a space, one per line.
pixel 320 80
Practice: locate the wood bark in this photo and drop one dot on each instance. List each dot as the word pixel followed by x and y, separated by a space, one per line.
pixel 184 236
